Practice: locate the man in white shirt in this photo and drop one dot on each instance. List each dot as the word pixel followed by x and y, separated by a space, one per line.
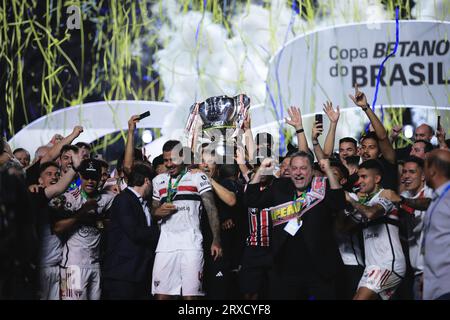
pixel 178 196
pixel 384 259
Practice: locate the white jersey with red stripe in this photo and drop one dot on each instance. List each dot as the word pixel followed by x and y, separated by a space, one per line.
pixel 416 228
pixel 381 240
pixel 181 230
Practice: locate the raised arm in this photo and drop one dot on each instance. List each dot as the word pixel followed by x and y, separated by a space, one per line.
pixel 214 223
pixel 333 116
pixel 386 148
pixel 316 132
pixel 54 151
pixel 249 142
pixel 240 160
pixel 129 147
pixel 223 193
pixel 418 203
pixel 63 183
pixel 325 166
pixel 370 212
pixel 440 135
pixel 296 121
pixel 81 216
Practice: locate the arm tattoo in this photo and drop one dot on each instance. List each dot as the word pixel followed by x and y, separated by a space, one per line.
pixel 419 204
pixel 155 205
pixel 213 215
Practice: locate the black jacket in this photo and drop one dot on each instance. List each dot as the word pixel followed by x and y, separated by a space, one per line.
pixel 314 247
pixel 130 243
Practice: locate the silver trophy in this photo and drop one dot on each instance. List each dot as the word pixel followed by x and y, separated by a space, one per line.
pixel 217 119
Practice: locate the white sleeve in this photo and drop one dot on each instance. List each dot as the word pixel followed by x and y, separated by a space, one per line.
pixel 386 204
pixel 155 189
pixel 202 183
pixel 106 201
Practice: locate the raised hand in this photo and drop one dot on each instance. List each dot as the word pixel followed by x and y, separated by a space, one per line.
pixel 396 132
pixel 330 112
pixel 132 122
pixel 325 164
pixel 240 155
pixel 295 118
pixel 317 130
pixel 77 130
pixel 76 158
pixel 440 135
pixel 360 98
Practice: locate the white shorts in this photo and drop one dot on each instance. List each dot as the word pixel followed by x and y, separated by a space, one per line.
pixel 80 283
pixel 178 273
pixel 49 281
pixel 383 282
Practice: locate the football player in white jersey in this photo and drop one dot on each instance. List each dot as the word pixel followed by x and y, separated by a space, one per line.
pixel 178 196
pixel 414 201
pixel 80 223
pixel 384 258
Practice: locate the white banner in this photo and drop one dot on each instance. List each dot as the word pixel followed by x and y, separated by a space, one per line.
pixel 324 65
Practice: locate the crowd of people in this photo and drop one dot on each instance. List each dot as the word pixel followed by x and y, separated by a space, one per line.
pixel 366 222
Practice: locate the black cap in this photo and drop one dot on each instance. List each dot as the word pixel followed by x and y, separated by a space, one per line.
pixel 90 169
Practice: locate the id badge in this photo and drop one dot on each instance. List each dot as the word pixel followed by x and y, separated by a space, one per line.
pixel 293 226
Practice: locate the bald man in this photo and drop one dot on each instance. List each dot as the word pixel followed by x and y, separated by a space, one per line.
pixel 423 132
pixel 437 228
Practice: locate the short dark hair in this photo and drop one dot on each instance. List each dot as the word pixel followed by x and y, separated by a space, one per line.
pixel 157 161
pixel 171 144
pixel 343 169
pixel 46 165
pixel 353 160
pixel 373 164
pixel 83 145
pixel 369 135
pixel 420 163
pixel 428 146
pixel 103 163
pixel 68 147
pixel 303 154
pixel 138 173
pixel 20 150
pixel 350 140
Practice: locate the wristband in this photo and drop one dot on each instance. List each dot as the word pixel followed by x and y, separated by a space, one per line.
pixel 365 108
pixel 300 130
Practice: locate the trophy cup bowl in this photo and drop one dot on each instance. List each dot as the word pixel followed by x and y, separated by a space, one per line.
pixel 220 119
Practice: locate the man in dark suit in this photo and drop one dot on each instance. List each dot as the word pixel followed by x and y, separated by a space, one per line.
pixel 131 239
pixel 305 253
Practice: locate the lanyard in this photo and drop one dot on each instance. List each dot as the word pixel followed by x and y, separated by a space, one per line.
pixel 427 227
pixel 302 200
pixel 366 199
pixel 172 190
